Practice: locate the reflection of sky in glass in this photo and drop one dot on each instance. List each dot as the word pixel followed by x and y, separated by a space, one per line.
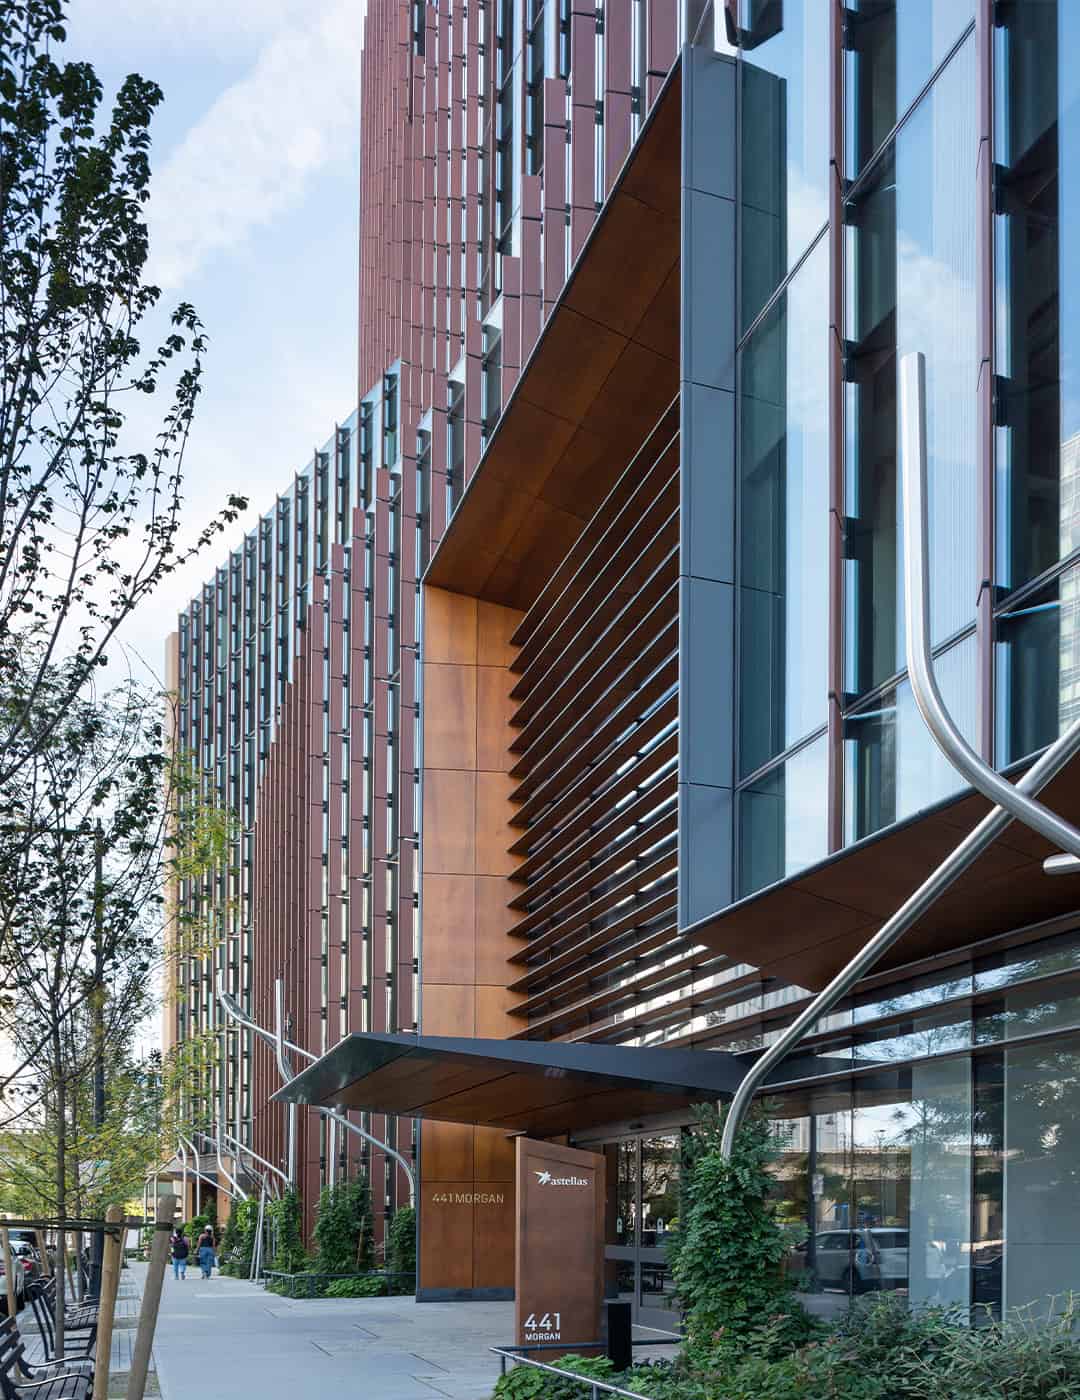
pixel 928 994
pixel 796 176
pixel 925 31
pixel 935 295
pixel 1036 960
pixel 806 503
pixel 923 774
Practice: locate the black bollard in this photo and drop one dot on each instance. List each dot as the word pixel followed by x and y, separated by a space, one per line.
pixel 619 1329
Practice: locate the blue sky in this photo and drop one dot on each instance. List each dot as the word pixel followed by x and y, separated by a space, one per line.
pixel 253 219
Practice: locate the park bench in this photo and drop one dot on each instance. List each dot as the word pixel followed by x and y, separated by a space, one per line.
pixel 80 1325
pixel 19 1381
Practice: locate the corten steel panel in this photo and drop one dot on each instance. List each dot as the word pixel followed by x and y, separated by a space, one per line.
pixel 565 353
pixel 449 951
pixel 493 1155
pixel 559 1266
pixel 450 714
pixel 447 1152
pixel 449 822
pixel 450 1008
pixel 449 627
pixel 446 1236
pixel 493 1232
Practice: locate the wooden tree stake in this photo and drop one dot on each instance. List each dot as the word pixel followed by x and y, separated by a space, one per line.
pixel 111 1260
pixel 151 1298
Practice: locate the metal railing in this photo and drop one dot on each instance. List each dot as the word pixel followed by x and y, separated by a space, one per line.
pixel 595 1387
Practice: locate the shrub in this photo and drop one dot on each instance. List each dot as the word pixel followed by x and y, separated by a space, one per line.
pixel 880 1350
pixel 371 1287
pixel 286 1234
pixel 526 1383
pixel 343 1229
pixel 401 1242
pixel 238 1240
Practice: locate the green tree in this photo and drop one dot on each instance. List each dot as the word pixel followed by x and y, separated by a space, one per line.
pixel 90 515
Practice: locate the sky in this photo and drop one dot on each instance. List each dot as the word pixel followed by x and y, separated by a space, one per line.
pixel 253 219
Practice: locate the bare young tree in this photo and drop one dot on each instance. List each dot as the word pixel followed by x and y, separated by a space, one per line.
pixel 89 517
pixel 90 826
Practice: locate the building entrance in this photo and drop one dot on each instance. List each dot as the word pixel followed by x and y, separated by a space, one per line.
pixel 642 1212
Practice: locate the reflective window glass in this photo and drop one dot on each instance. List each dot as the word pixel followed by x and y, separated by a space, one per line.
pixel 783 520
pixel 936 156
pixel 911 287
pixel 785 142
pixel 925 32
pixel 782 818
pixel 1038 428
pixel 1037 660
pixel 892 766
pixel 659 1188
pixel 1041 1171
pixel 908 996
pixel 1031 1011
pixel 869 78
pixel 1042 959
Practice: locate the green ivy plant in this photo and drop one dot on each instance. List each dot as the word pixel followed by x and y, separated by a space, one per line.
pixel 343 1232
pixel 286 1218
pixel 238 1240
pixel 727 1256
pixel 401 1242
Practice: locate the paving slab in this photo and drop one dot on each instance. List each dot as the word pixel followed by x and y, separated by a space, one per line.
pixel 227 1339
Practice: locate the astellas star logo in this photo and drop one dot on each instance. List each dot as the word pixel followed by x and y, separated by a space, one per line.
pixel 545 1178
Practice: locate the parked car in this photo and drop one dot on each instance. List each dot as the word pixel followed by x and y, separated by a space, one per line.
pixel 27 1255
pixel 855 1260
pixel 19 1280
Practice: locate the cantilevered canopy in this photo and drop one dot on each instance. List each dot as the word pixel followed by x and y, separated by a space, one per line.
pixel 536 1087
pixel 804 929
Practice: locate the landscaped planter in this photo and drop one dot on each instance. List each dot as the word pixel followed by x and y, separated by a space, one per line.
pixel 377 1284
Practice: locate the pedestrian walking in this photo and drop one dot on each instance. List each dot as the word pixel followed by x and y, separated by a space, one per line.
pixel 180 1251
pixel 207 1257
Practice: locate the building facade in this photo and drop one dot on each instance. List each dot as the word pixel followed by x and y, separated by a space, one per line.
pixel 608 739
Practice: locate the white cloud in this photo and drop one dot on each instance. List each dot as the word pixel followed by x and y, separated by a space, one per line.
pixel 224 28
pixel 251 155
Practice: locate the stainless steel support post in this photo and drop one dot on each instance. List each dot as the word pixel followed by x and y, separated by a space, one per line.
pixel 286 1071
pixel 233 1010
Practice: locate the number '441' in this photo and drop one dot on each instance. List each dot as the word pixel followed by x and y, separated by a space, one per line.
pixel 544 1323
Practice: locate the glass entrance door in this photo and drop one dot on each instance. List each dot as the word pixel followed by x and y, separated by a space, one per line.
pixel 642 1207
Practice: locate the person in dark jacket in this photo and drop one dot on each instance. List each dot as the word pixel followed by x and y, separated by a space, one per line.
pixel 180 1251
pixel 207 1257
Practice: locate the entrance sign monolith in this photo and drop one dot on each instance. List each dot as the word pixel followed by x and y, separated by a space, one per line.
pixel 559 1277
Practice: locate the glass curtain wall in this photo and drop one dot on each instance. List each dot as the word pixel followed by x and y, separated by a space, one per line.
pixel 910 258
pixel 784 101
pixel 783 579
pixel 909 255
pixel 1037 381
pixel 949 1176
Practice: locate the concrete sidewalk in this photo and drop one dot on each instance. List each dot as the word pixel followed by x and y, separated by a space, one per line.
pixel 224 1339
